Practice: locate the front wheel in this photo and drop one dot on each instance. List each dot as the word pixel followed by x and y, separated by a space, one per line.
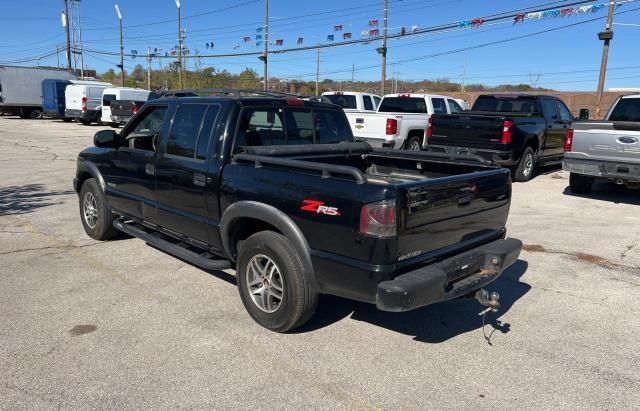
pixel 272 284
pixel 580 184
pixel 524 171
pixel 96 218
pixel 114 125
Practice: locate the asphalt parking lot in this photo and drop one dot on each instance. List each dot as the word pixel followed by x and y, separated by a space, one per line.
pixel 122 325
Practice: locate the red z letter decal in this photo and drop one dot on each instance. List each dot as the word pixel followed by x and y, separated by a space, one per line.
pixel 318 207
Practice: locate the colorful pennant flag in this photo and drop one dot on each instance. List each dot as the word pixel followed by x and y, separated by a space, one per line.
pixel 337 27
pixel 246 39
pixel 300 40
pixel 374 32
pixel 330 37
pixel 346 36
pixel 373 23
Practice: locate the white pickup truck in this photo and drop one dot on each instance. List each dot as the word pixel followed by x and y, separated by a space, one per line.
pixel 402 120
pixel 608 149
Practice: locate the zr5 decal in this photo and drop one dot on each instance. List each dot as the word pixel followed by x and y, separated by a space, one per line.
pixel 318 207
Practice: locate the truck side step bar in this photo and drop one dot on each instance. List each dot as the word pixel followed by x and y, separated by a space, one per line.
pixel 180 249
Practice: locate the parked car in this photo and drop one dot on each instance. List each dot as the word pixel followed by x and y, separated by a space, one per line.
pixel 123 110
pixel 112 94
pixel 608 149
pixel 518 131
pixel 53 98
pixel 83 101
pixel 21 89
pixel 401 120
pixel 276 188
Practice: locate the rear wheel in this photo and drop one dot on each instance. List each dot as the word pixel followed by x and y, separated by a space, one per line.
pixel 580 184
pixel 524 171
pixel 35 114
pixel 96 218
pixel 114 125
pixel 67 119
pixel 413 144
pixel 272 284
pixel 85 122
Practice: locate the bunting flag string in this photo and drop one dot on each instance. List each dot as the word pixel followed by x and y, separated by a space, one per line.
pixel 561 12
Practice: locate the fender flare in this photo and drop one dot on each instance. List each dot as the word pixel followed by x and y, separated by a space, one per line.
pixel 92 169
pixel 274 217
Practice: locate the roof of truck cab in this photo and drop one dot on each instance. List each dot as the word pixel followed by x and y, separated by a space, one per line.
pixel 419 95
pixel 248 101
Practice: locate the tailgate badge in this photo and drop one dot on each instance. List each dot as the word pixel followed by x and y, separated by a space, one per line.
pixel 627 140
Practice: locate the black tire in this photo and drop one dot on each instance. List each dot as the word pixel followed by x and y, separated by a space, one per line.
pixel 102 228
pixel 67 119
pixel 85 122
pixel 35 114
pixel 114 125
pixel 580 184
pixel 413 144
pixel 525 168
pixel 299 299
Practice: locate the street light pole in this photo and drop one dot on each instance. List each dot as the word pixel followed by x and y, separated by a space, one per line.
pixel 65 23
pixel 606 36
pixel 179 46
pixel 121 46
pixel 383 52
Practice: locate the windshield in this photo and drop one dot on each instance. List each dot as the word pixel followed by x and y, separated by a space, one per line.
pixel 403 105
pixel 342 100
pixel 627 109
pixel 276 126
pixel 526 105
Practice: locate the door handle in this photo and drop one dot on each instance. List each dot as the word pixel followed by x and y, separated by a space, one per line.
pixel 150 169
pixel 199 180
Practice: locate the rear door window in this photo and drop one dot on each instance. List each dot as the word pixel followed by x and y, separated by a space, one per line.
pixel 454 107
pixel 565 114
pixel 368 104
pixel 107 99
pixel 185 130
pixel 439 106
pixel 550 110
pixel 403 105
pixel 206 142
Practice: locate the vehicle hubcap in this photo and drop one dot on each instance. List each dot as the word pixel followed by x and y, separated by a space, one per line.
pixel 90 210
pixel 528 164
pixel 265 283
pixel 414 145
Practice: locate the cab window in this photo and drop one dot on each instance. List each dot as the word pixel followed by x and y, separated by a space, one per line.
pixel 185 130
pixel 368 105
pixel 144 128
pixel 454 107
pixel 439 106
pixel 565 114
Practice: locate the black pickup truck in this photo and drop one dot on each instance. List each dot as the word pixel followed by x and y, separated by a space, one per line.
pixel 513 130
pixel 277 189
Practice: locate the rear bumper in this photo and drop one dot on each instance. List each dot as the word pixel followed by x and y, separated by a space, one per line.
pixel 120 119
pixel 448 279
pixel 602 169
pixel 501 157
pixel 80 114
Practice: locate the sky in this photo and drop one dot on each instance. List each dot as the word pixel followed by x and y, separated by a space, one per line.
pixel 564 59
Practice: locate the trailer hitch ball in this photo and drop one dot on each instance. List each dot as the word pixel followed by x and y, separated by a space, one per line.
pixel 491 301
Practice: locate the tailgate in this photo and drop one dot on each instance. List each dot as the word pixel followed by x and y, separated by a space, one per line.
pixel 466 130
pixel 449 211
pixel 122 108
pixel 606 141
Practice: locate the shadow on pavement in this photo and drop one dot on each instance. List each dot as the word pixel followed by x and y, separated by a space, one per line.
pixel 432 324
pixel 607 191
pixel 15 200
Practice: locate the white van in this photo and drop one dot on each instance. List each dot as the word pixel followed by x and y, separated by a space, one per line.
pixel 120 93
pixel 84 101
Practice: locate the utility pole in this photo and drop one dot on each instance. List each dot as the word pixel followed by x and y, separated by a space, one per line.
pixel 383 50
pixel 266 45
pixel 66 27
pixel 353 73
pixel 148 68
pixel 318 71
pixel 58 55
pixel 464 74
pixel 179 46
pixel 121 46
pixel 605 36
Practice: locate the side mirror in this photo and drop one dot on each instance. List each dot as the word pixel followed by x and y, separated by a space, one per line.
pixel 584 114
pixel 105 138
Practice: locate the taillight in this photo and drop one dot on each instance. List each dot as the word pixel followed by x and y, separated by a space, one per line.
pixel 84 104
pixel 392 126
pixel 429 130
pixel 135 108
pixel 378 219
pixel 505 138
pixel 568 140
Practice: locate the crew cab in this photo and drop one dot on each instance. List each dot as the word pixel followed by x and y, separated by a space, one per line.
pixel 608 149
pixel 278 189
pixel 401 120
pixel 517 131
